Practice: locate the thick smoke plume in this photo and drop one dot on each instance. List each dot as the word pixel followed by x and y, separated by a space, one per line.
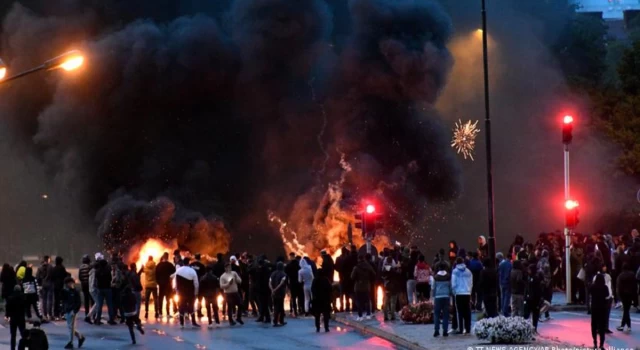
pixel 203 123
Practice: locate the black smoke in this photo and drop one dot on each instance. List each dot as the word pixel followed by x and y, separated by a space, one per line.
pixel 193 120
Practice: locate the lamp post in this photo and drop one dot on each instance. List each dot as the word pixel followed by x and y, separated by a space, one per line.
pixel 67 61
pixel 487 122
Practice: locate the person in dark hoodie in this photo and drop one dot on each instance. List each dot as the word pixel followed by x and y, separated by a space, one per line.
pixel 441 293
pixel 30 288
pixel 321 292
pixel 533 296
pixel 599 300
pixel 34 339
pixel 43 276
pixel 453 252
pixel 278 287
pixel 8 280
pixel 626 287
pixel 346 283
pixel 295 288
pixel 134 283
pixel 70 307
pixel 15 312
pixel 59 274
pixel 518 283
pixel 164 270
pixel 103 277
pixel 209 287
pixel 362 276
pixel 475 266
pixel 131 307
pixel 200 269
pixel 83 276
pixel 489 286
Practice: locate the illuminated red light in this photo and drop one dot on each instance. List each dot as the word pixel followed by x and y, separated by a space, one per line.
pixel 370 209
pixel 568 119
pixel 571 204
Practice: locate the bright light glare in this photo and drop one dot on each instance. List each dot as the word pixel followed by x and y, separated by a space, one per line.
pixel 72 63
pixel 571 204
pixel 568 119
pixel 370 208
pixel 3 72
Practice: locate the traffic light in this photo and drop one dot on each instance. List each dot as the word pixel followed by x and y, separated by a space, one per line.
pixel 567 129
pixel 571 213
pixel 359 221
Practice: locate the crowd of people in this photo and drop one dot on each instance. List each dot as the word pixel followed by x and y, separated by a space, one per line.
pixel 520 282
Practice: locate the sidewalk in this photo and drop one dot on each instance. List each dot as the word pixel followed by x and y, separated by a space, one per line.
pixel 420 337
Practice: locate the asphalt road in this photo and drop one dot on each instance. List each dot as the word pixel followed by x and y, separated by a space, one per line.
pixel 575 328
pixel 297 334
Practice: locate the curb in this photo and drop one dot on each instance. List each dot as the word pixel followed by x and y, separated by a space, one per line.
pixel 363 328
pixel 563 307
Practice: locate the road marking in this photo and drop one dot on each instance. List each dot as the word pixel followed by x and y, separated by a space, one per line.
pixel 633 320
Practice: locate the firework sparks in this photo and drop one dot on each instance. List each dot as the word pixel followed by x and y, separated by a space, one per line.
pixel 464 138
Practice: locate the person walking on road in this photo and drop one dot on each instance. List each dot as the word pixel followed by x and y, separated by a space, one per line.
pixel 462 284
pixel 599 296
pixel 305 277
pixel 134 283
pixel 626 286
pixel 533 296
pixel 230 282
pixel 441 291
pixel 15 312
pixel 131 307
pixel 70 307
pixel 321 306
pixel 278 286
pixel 150 288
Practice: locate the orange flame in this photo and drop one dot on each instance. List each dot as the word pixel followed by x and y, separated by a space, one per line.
pixel 152 247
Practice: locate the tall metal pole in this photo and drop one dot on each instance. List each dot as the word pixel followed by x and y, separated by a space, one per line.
pixel 567 231
pixel 487 128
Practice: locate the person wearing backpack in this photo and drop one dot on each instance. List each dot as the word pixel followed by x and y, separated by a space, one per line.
pixel 209 286
pixel 30 288
pixel 544 268
pixel 422 275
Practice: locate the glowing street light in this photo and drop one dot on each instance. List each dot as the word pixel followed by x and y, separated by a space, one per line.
pixel 68 61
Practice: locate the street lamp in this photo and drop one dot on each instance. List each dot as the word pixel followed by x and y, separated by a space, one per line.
pixel 487 121
pixel 67 61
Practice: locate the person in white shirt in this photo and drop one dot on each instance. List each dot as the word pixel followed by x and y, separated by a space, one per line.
pixel 230 283
pixel 187 285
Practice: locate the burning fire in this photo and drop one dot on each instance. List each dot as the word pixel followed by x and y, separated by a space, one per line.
pixel 152 247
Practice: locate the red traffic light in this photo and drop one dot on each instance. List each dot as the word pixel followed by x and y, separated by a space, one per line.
pixel 571 204
pixel 370 209
pixel 567 119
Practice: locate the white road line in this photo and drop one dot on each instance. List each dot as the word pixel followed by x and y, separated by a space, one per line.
pixel 633 320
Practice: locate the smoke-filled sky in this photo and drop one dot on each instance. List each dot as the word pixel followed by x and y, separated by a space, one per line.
pixel 196 120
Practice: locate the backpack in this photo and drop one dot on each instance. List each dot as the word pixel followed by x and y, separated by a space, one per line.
pixel 422 275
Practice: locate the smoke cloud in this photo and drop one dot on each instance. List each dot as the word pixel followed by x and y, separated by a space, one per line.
pixel 202 123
